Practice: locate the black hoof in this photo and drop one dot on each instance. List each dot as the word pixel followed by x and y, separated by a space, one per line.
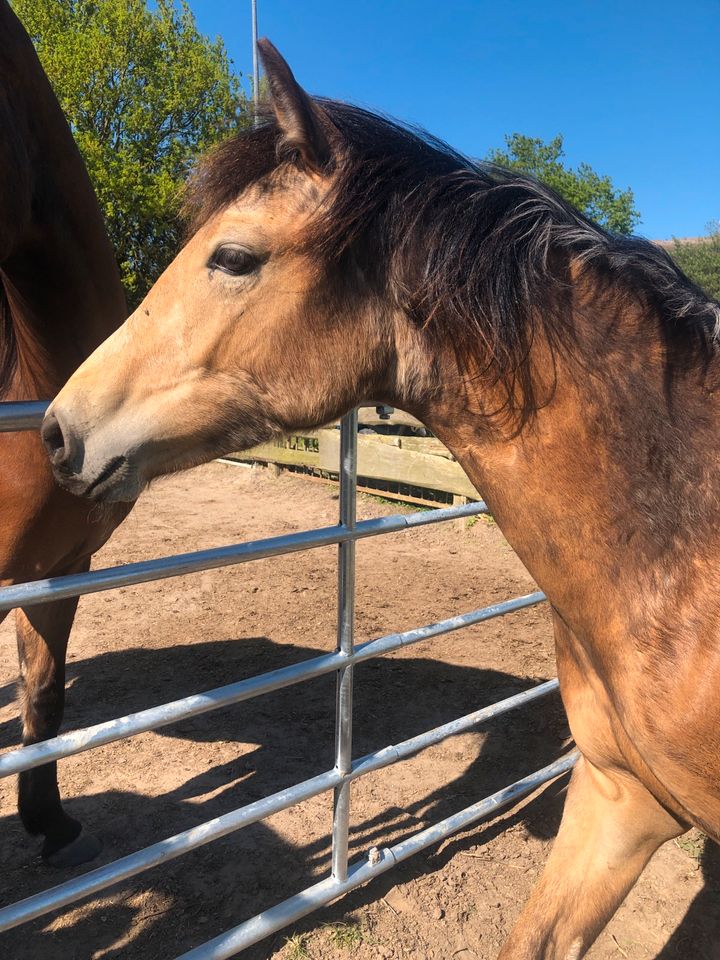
pixel 83 848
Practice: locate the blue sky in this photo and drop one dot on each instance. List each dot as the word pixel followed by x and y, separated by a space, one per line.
pixel 633 86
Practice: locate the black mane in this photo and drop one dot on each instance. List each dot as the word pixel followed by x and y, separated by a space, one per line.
pixel 475 251
pixel 8 344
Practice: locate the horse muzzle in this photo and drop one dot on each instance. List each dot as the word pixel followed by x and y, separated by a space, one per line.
pixel 98 476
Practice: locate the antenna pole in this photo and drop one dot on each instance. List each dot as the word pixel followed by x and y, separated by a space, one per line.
pixel 256 70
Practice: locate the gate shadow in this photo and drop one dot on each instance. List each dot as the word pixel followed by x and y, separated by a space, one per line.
pixel 178 905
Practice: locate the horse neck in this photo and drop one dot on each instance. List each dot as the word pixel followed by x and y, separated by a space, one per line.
pixel 60 281
pixel 601 491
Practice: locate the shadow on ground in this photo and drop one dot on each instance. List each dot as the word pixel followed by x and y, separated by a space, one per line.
pixel 698 936
pixel 225 882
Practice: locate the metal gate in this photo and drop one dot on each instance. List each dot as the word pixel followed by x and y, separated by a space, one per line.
pixel 344 876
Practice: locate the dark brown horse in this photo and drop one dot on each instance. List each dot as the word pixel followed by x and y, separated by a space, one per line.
pixel 60 296
pixel 575 375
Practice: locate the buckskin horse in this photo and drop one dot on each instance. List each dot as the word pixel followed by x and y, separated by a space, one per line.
pixel 60 296
pixel 575 375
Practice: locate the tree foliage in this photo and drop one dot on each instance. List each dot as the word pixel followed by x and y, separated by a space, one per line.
pixel 591 193
pixel 145 92
pixel 700 260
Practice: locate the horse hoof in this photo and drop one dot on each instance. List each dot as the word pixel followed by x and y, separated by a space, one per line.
pixel 83 848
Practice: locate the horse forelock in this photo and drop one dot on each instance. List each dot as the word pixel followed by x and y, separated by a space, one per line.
pixel 477 254
pixel 228 170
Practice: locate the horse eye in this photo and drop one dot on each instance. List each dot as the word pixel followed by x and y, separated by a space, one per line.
pixel 234 260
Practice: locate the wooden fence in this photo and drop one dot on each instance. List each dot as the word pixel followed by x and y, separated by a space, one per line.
pixel 417 469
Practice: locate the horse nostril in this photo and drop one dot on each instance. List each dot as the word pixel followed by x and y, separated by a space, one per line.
pixel 53 439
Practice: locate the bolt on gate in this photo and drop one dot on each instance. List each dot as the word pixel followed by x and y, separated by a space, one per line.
pixel 344 876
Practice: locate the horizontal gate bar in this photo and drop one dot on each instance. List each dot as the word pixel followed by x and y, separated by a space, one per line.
pixel 142 860
pixel 129 574
pixel 406 748
pixel 28 414
pixel 77 741
pixel 289 911
pixel 22 415
pixel 99 879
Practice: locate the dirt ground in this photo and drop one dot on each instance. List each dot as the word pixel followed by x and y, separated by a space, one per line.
pixel 137 647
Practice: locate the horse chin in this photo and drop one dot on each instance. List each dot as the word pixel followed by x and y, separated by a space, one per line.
pixel 117 482
pixel 127 491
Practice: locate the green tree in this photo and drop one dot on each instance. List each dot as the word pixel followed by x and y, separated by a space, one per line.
pixel 700 259
pixel 594 195
pixel 145 92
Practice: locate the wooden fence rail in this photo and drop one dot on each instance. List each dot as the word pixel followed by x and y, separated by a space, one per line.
pixel 421 468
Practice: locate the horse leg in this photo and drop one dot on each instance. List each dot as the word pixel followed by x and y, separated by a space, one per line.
pixel 611 825
pixel 42 634
pixel 610 828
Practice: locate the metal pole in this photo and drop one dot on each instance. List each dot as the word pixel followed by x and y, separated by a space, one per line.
pixel 345 644
pixel 144 571
pixel 22 415
pixel 289 911
pixel 129 866
pixel 256 70
pixel 77 741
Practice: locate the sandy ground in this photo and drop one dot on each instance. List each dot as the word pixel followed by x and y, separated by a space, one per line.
pixel 138 647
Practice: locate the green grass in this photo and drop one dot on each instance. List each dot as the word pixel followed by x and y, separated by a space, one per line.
pixel 692 844
pixel 486 518
pixel 347 936
pixel 297 947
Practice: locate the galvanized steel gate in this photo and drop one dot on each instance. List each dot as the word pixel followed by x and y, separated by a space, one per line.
pixel 344 876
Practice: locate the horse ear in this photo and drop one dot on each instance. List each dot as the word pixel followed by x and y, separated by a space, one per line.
pixel 297 116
